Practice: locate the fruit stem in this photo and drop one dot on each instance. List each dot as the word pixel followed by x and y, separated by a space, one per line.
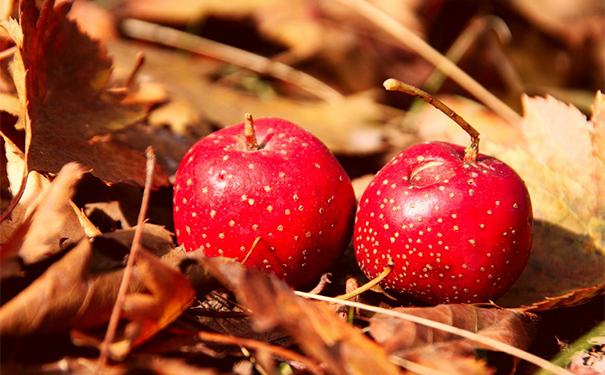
pixel 471 152
pixel 251 142
pixel 370 284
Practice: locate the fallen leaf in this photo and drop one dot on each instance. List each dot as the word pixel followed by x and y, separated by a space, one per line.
pixel 69 110
pixel 562 267
pixel 574 298
pixel 404 337
pixel 79 290
pixel 315 326
pixel 46 221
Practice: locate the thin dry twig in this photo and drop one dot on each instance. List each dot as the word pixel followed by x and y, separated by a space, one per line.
pixel 413 41
pixel 487 341
pixel 174 38
pixel 134 249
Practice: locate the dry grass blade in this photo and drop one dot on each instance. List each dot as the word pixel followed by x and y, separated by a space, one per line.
pixel 413 41
pixel 175 38
pixel 136 244
pixel 497 345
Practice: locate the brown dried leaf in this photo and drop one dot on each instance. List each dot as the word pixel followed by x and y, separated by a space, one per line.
pixel 46 221
pixel 442 351
pixel 407 338
pixel 48 232
pixel 68 107
pixel 316 327
pixel 79 290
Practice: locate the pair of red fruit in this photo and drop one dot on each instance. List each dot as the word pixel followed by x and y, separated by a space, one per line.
pixel 452 225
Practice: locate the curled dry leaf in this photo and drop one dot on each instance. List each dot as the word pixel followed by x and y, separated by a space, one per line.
pixel 79 290
pixel 45 221
pixel 68 108
pixel 315 326
pixel 563 168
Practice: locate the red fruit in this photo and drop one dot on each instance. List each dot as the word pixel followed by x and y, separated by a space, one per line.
pixel 288 189
pixel 456 224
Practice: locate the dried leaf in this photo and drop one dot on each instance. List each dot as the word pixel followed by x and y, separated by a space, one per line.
pixel 48 233
pixel 407 338
pixel 563 266
pixel 51 224
pixel 68 107
pixel 315 326
pixel 574 298
pixel 79 290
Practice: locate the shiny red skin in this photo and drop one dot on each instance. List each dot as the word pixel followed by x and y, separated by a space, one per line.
pixel 457 232
pixel 292 192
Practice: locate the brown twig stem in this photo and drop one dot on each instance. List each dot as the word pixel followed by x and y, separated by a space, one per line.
pixel 128 271
pixel 471 152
